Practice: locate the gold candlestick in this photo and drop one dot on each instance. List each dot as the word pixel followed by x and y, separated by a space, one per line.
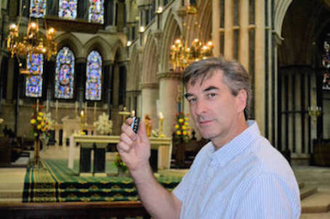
pixel 161 121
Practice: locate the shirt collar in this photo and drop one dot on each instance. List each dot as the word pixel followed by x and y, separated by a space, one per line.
pixel 233 148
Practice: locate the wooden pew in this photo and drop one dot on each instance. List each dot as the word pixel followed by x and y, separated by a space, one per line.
pixel 119 210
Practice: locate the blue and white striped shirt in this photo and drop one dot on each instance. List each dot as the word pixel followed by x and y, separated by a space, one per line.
pixel 246 178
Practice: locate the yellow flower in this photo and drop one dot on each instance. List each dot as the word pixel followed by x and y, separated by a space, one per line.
pixel 38 127
pixel 183 127
pixel 42 123
pixel 40 113
pixel 39 118
pixel 181 120
pixel 33 121
pixel 184 132
pixel 185 118
pixel 178 132
pixel 177 126
pixel 186 123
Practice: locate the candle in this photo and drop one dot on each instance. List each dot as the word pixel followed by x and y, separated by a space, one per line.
pixel 133 113
pixel 161 120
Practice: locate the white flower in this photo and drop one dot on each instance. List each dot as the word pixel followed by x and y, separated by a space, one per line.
pixel 103 125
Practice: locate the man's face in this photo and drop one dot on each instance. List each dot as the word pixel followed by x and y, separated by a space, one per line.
pixel 216 112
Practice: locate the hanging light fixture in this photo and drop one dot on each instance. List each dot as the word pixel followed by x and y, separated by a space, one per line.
pixel 33 42
pixel 182 53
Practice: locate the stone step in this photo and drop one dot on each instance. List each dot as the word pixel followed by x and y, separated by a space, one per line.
pixel 319 202
pixel 11 200
pixel 306 191
pixel 9 194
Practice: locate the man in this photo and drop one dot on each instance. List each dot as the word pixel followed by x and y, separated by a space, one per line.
pixel 238 174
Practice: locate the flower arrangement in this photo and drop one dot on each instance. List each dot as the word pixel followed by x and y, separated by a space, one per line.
pixel 182 128
pixel 103 124
pixel 119 163
pixel 40 124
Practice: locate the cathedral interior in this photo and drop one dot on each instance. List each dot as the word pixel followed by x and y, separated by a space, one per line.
pixel 88 64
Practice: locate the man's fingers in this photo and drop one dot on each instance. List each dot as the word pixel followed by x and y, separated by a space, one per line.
pixel 123 148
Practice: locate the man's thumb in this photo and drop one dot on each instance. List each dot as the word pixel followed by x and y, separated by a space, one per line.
pixel 142 133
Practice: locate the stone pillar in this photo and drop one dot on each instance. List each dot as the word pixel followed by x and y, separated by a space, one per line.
pixel 150 94
pixel 215 27
pixel 244 33
pixel 108 76
pixel 10 79
pixel 229 33
pixel 80 76
pixel 168 91
pixel 259 92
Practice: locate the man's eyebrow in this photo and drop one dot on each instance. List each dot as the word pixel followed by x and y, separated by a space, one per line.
pixel 188 95
pixel 211 88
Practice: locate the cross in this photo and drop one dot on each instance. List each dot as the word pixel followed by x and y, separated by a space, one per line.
pixel 124 113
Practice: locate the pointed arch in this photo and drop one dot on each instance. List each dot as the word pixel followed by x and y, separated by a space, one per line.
pixel 171 32
pixel 99 44
pixel 150 61
pixel 71 41
pixel 281 8
pixel 135 78
pixel 118 51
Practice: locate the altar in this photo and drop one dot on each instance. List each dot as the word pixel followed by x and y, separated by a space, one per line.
pixel 98 143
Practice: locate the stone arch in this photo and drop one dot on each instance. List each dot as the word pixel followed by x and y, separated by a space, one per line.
pixel 281 8
pixel 150 61
pixel 135 78
pixel 118 51
pixel 99 44
pixel 205 16
pixel 171 32
pixel 70 40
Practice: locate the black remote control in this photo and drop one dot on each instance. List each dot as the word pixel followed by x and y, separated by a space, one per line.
pixel 135 124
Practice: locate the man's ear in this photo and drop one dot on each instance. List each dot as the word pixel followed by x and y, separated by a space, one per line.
pixel 241 100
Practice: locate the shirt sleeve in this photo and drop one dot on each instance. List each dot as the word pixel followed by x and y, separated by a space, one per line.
pixel 267 196
pixel 180 189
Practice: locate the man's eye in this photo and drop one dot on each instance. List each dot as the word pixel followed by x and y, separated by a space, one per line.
pixel 191 100
pixel 211 94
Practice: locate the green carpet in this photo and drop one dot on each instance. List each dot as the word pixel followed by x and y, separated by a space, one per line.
pixel 55 182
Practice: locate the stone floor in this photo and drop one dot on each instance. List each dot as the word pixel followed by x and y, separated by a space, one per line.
pixel 314 182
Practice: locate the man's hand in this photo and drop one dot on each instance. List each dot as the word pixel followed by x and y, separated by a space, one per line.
pixel 133 148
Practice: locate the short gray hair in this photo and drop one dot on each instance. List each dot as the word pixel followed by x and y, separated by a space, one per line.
pixel 235 76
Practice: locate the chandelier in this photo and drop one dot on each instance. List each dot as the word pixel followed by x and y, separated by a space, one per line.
pixel 32 43
pixel 181 53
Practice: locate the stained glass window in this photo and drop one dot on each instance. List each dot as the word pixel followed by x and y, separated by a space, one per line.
pixel 37 8
pixel 64 74
pixel 96 11
pixel 34 63
pixel 94 76
pixel 68 9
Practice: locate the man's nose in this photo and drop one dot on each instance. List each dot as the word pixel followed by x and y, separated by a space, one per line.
pixel 200 107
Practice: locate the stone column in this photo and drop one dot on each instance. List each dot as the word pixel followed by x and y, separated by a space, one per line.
pixel 168 91
pixel 259 92
pixel 108 76
pixel 216 27
pixel 243 56
pixel 10 79
pixel 229 33
pixel 150 94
